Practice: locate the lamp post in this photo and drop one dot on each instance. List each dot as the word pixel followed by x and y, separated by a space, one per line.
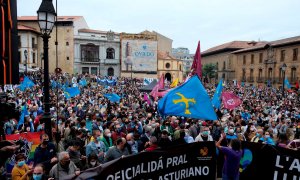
pixel 25 63
pixel 46 19
pixel 283 68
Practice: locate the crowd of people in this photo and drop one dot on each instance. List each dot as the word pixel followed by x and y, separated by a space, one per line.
pixel 89 130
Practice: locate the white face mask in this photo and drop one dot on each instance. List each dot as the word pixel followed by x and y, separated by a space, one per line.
pixel 231 131
pixel 267 136
pixel 93 163
pixel 108 135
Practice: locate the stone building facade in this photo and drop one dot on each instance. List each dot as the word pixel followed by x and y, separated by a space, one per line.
pixel 67 27
pixel 171 67
pixel 97 52
pixel 262 64
pixel 28 48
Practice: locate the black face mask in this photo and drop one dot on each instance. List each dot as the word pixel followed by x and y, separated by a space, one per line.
pixel 45 142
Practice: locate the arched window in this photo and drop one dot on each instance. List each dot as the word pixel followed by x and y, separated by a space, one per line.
pixel 110 53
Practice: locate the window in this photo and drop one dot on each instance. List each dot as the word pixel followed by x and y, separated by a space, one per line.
pixel 67 43
pixel 282 55
pixel 280 74
pixel 244 75
pixel 252 58
pixel 19 41
pixel 19 56
pixel 33 57
pixel 180 68
pixel 110 53
pixel 94 70
pixel 293 74
pixel 85 70
pixel 89 53
pixel 259 73
pixel 168 65
pixel 244 60
pixel 295 54
pixel 260 57
pixel 224 65
pixel 32 43
pixel 68 58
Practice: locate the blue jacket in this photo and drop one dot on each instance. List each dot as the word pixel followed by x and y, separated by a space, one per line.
pixel 44 156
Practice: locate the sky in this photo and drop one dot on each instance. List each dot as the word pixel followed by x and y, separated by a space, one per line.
pixel 213 22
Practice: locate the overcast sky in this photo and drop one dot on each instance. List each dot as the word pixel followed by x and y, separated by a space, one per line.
pixel 213 22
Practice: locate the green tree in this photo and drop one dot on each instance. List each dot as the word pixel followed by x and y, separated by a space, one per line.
pixel 209 69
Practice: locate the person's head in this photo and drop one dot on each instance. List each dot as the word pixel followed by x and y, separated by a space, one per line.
pixel 20 159
pixel 38 172
pixel 96 134
pixel 260 132
pixel 230 130
pixel 267 134
pixel 76 145
pixel 107 133
pixel 44 139
pixel 153 140
pixel 121 143
pixel 93 159
pixel 235 144
pixel 64 158
pixel 164 134
pixel 205 131
pixel 130 138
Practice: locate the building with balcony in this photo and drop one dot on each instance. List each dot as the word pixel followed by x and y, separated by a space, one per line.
pixel 97 52
pixel 262 63
pixel 28 48
pixel 66 27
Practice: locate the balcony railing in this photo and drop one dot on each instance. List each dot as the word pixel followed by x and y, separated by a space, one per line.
pixel 112 61
pixel 89 60
pixel 250 79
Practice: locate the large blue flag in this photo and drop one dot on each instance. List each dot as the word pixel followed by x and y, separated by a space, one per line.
pixel 83 82
pixel 216 101
pixel 71 92
pixel 287 83
pixel 27 83
pixel 188 100
pixel 112 97
pixel 22 117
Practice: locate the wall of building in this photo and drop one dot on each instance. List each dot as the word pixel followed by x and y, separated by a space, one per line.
pixel 26 44
pixel 266 64
pixel 175 69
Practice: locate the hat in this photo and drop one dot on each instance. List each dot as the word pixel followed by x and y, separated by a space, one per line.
pixel 204 123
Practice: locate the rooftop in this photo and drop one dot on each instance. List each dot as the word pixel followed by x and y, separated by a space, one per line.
pixel 164 55
pixel 234 45
pixel 59 18
pixel 281 42
pixel 94 31
pixel 27 28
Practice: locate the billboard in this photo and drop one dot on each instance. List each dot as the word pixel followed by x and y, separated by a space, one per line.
pixel 141 54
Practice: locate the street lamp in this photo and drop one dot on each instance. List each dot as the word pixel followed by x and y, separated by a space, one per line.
pixel 46 19
pixel 283 68
pixel 25 63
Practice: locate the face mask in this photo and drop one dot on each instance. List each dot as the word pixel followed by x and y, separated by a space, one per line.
pixel 37 176
pixel 98 138
pixel 21 163
pixel 231 131
pixel 267 136
pixel 108 135
pixel 28 129
pixel 93 163
pixel 257 134
pixel 252 129
pixel 45 142
pixel 130 142
pixel 205 133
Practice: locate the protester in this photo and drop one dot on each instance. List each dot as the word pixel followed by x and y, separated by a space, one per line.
pixel 117 151
pixel 39 173
pixel 64 167
pixel 21 170
pixel 233 156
